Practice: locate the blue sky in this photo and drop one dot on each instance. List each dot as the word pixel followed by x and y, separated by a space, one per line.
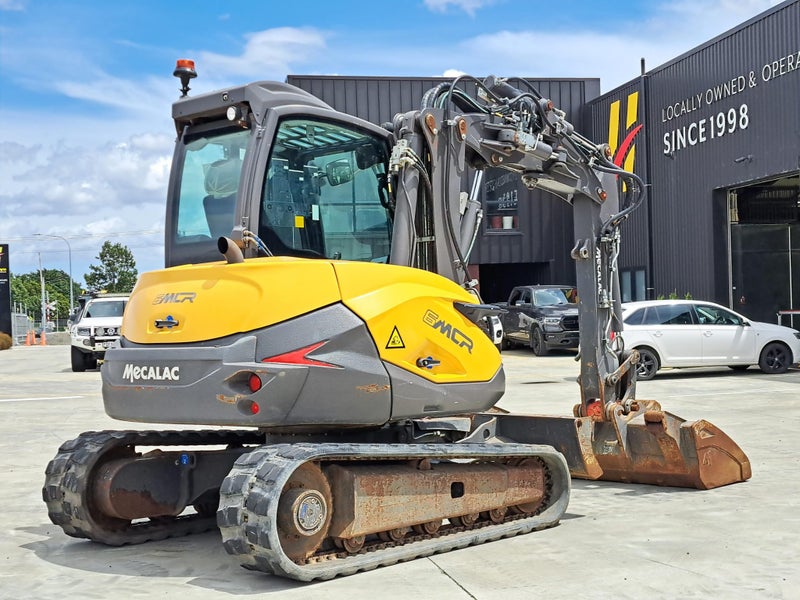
pixel 86 86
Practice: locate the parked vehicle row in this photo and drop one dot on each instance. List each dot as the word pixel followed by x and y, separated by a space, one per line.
pixel 667 333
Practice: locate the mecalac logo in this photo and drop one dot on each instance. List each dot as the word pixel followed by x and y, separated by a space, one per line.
pixel 134 373
pixel 624 152
pixel 175 298
pixel 455 335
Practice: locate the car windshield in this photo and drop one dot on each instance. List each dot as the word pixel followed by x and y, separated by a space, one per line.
pixel 552 296
pixel 105 308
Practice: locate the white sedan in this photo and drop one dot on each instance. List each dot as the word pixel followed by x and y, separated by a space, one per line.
pixel 691 333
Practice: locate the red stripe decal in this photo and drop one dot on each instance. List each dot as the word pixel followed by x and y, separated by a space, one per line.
pixel 300 357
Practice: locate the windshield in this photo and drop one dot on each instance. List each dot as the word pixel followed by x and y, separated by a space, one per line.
pixel 104 308
pixel 325 193
pixel 552 296
pixel 210 173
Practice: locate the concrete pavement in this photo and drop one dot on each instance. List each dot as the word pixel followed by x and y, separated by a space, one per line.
pixel 616 541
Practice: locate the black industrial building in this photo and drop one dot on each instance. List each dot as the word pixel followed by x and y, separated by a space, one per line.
pixel 715 133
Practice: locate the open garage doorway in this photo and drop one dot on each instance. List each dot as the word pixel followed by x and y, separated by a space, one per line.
pixel 765 249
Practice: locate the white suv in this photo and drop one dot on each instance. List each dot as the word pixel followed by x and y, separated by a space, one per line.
pixel 96 328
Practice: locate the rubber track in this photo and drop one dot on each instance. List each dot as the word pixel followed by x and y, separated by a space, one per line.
pixel 67 483
pixel 250 493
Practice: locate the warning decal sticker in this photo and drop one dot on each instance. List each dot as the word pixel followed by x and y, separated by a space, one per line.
pixel 395 341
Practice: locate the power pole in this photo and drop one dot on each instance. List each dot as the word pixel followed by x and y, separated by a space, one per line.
pixel 44 303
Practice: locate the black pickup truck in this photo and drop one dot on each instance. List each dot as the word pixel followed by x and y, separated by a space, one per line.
pixel 541 316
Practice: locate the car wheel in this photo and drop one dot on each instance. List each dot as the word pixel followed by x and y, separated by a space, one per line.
pixel 775 358
pixel 537 342
pixel 648 364
pixel 78 364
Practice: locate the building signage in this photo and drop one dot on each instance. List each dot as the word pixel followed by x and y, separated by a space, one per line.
pixel 728 120
pixel 624 152
pixel 5 291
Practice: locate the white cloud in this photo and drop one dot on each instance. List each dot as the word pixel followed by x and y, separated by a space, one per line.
pixel 612 55
pixel 269 53
pixel 143 97
pixel 12 4
pixel 468 6
pixel 88 194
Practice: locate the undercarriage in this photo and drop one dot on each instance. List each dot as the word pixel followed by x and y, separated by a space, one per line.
pixel 304 510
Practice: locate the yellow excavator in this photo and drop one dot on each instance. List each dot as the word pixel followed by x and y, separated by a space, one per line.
pixel 316 310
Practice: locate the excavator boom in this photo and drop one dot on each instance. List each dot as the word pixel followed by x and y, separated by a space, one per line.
pixel 612 435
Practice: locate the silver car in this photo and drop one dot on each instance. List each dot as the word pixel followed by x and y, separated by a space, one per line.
pixel 691 333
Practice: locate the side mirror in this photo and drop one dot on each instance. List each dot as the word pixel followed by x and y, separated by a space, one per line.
pixel 339 172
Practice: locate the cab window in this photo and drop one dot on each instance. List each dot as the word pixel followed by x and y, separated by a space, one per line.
pixel 210 173
pixel 325 193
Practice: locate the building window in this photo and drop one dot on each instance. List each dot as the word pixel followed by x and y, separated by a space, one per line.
pixel 501 198
pixel 632 285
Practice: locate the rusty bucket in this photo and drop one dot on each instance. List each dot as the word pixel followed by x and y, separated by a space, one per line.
pixel 646 445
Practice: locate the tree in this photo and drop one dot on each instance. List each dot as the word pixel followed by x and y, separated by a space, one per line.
pixel 117 270
pixel 26 291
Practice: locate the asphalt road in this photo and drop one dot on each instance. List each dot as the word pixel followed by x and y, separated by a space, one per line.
pixel 616 540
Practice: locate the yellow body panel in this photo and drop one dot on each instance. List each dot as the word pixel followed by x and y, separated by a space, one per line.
pixel 408 312
pixel 410 315
pixel 213 300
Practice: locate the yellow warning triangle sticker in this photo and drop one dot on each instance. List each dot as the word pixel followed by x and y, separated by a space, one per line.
pixel 395 341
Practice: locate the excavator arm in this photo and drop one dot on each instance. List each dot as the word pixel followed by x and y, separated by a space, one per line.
pixel 612 434
pixel 523 133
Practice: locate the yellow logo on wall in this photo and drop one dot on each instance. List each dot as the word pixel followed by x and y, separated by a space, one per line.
pixel 624 153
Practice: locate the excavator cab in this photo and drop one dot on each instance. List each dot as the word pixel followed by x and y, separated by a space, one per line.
pixel 317 189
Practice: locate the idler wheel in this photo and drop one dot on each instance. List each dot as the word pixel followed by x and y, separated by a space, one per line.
pixel 304 512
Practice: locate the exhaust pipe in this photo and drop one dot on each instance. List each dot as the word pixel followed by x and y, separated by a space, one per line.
pixel 229 249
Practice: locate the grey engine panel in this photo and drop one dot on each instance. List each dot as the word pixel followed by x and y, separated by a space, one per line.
pixel 211 384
